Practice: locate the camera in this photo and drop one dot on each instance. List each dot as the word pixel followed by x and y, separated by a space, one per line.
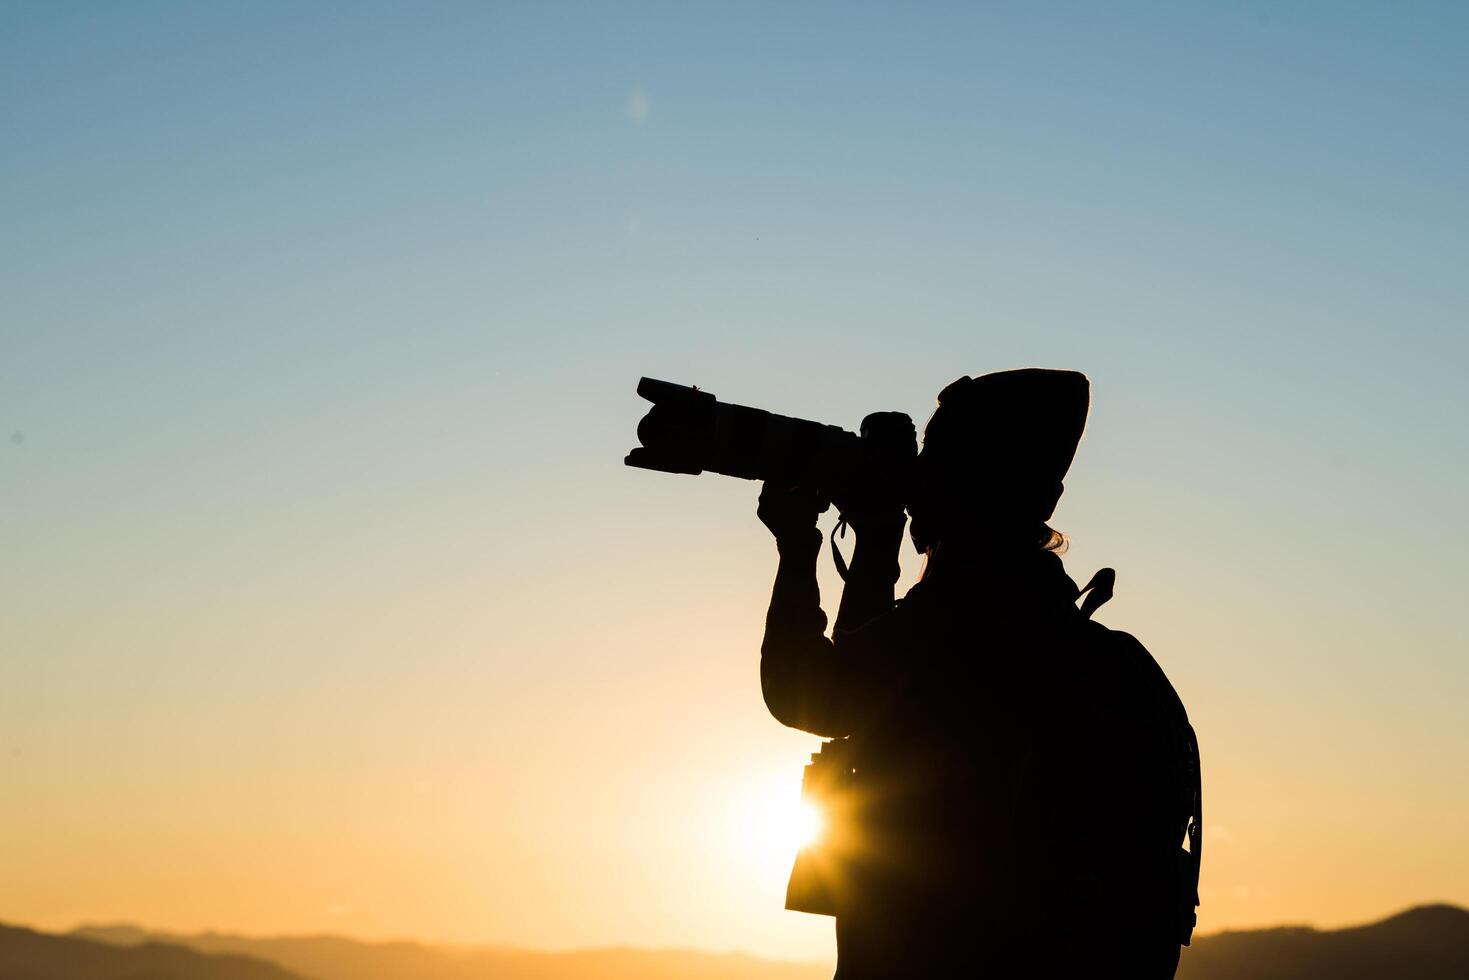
pixel 827 785
pixel 690 431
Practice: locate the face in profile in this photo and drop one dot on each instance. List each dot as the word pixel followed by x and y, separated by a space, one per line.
pixel 924 522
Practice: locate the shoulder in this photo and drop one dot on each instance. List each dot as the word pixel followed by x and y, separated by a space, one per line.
pixel 1104 641
pixel 1118 642
pixel 1132 672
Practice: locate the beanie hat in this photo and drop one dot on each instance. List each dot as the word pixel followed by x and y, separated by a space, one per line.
pixel 1017 431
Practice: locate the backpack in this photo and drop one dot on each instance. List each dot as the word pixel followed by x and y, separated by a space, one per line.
pixel 1156 698
pixel 829 778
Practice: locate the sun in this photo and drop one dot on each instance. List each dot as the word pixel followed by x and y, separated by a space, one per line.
pixel 772 822
pixel 803 824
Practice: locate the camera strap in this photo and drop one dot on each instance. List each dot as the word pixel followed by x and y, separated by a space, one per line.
pixel 836 553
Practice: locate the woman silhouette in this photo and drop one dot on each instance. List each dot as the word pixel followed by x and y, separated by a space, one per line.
pixel 1009 814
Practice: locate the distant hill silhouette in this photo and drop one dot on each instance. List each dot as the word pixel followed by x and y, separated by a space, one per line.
pixel 1426 943
pixel 335 958
pixel 29 955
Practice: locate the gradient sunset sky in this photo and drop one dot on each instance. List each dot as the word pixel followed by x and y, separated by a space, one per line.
pixel 326 603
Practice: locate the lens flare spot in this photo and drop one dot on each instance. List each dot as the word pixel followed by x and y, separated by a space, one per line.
pixel 806 824
pixel 775 822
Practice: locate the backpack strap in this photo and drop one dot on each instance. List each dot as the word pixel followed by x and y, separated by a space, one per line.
pixel 1097 592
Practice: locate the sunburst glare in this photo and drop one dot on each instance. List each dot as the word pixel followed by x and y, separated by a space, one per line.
pixel 771 822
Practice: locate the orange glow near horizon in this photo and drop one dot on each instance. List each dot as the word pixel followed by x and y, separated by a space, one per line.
pixel 327 604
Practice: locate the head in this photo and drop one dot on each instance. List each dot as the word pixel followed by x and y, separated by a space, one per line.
pixel 994 454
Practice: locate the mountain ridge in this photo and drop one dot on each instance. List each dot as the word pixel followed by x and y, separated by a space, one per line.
pixel 330 957
pixel 28 954
pixel 1426 942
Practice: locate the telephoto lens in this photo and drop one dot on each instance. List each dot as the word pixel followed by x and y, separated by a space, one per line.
pixel 689 431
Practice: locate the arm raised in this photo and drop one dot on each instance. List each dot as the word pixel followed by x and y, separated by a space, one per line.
pixel 810 682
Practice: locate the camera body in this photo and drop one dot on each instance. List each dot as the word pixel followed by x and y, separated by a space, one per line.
pixel 827 785
pixel 690 431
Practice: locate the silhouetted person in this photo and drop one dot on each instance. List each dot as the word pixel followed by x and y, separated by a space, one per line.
pixel 1016 798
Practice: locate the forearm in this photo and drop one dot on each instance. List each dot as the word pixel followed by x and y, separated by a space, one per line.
pixel 799 673
pixel 796 598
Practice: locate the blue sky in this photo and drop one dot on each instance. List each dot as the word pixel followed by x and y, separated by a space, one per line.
pixel 341 307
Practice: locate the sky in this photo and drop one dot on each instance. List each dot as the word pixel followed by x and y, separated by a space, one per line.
pixel 327 604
